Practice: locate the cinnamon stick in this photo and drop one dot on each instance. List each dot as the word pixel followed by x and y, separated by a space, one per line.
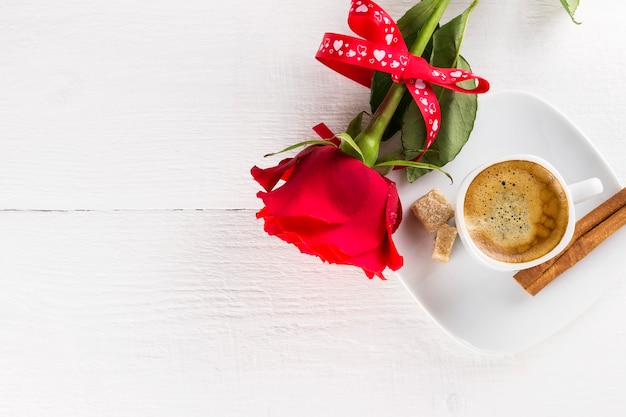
pixel 581 248
pixel 585 239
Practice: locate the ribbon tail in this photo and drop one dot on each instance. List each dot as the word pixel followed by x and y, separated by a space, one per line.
pixel 428 105
pixel 325 133
pixel 451 77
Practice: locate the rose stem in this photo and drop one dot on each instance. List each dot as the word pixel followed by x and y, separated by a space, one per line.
pixel 369 139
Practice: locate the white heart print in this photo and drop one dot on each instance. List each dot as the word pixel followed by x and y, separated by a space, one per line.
pixel 337 44
pixel 456 74
pixel 419 84
pixel 361 9
pixel 379 54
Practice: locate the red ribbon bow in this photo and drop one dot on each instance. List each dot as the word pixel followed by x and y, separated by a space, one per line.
pixel 383 49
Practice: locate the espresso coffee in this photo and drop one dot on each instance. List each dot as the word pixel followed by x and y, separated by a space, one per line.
pixel 516 211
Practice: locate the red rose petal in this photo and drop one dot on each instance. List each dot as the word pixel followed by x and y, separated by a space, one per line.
pixel 332 206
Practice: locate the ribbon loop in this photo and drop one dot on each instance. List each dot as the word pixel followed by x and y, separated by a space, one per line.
pixel 382 48
pixel 444 77
pixel 373 23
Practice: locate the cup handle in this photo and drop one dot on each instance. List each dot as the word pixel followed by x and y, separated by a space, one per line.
pixel 585 189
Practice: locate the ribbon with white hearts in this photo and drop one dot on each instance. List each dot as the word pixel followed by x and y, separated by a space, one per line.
pixel 383 49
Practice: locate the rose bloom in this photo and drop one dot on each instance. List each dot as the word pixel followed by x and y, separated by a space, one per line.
pixel 333 206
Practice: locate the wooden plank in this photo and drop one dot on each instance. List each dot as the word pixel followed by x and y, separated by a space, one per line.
pixel 168 105
pixel 160 313
pixel 181 312
pixel 134 278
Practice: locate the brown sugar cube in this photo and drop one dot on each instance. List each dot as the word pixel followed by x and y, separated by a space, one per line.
pixel 444 240
pixel 433 210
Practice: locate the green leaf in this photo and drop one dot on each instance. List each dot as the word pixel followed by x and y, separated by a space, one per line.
pixel 299 144
pixel 413 164
pixel 458 112
pixel 448 39
pixel 347 139
pixel 570 7
pixel 355 126
pixel 415 18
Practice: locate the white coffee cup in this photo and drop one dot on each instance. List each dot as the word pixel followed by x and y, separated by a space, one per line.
pixel 477 231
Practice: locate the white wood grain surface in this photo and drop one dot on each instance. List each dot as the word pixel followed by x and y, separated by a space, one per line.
pixel 134 277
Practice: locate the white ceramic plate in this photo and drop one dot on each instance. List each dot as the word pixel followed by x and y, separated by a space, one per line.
pixel 488 310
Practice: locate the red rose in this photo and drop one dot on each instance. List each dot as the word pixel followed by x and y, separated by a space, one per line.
pixel 333 206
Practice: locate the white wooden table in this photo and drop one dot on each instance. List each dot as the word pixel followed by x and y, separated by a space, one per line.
pixel 134 277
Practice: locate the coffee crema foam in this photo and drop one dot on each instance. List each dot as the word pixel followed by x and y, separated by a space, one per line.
pixel 516 211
